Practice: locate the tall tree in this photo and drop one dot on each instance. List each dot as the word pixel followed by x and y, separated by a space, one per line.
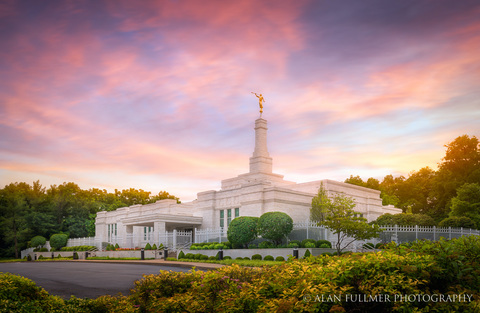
pixel 339 216
pixel 467 203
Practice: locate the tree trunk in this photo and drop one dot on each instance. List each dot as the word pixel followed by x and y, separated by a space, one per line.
pixel 15 238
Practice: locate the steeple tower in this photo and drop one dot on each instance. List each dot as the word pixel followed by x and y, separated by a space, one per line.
pixel 261 162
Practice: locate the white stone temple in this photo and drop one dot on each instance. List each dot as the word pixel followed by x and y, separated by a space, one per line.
pixel 251 194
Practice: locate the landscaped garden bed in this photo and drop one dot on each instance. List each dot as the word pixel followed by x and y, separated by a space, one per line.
pixel 423 276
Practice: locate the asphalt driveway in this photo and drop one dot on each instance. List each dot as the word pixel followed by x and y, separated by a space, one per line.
pixel 84 279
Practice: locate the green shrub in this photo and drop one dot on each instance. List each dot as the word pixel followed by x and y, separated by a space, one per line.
pixel 190 256
pixel 305 241
pixel 246 258
pixel 19 294
pixel 307 254
pixel 298 242
pixel 324 246
pixel 457 222
pixel 212 258
pixel 171 259
pixel 227 257
pixel 181 255
pixel 219 246
pixel 405 219
pixel 321 242
pixel 242 230
pixel 293 245
pixel 380 245
pixel 148 246
pixel 117 246
pixel 227 244
pixel 327 253
pixel 310 245
pixel 204 257
pixel 252 246
pixel 368 245
pixel 256 257
pixel 265 245
pixel 38 241
pixel 275 226
pixel 280 259
pixel 197 256
pixel 239 258
pixel 154 247
pixel 268 258
pixel 58 241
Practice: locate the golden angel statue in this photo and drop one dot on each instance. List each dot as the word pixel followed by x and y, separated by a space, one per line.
pixel 260 101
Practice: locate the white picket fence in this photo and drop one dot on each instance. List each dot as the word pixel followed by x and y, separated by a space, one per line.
pixel 305 230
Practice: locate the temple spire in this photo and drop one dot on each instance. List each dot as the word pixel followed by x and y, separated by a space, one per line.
pixel 261 162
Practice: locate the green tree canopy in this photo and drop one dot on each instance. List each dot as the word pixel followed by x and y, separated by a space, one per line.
pixel 339 216
pixel 242 230
pixel 467 203
pixel 38 241
pixel 275 226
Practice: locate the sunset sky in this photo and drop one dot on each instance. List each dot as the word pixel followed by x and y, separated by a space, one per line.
pixel 156 95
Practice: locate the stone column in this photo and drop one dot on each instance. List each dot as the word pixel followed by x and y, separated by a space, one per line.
pixel 261 162
pixel 128 239
pixel 159 228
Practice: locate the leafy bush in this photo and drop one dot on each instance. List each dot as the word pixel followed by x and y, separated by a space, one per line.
pixel 293 245
pixel 117 246
pixel 197 256
pixel 58 241
pixel 456 221
pixel 239 258
pixel 298 242
pixel 252 246
pixel 268 258
pixel 307 254
pixel 219 246
pixel 181 255
pixel 246 258
pixel 19 294
pixel 148 246
pixel 379 245
pixel 242 230
pixel 305 241
pixel 405 219
pixel 265 245
pixel 323 242
pixel 324 246
pixel 227 257
pixel 368 245
pixel 204 257
pixel 213 258
pixel 38 241
pixel 275 226
pixel 190 256
pixel 310 245
pixel 154 247
pixel 80 248
pixel 256 257
pixel 280 259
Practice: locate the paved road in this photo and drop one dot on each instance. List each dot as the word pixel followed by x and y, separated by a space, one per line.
pixel 82 279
